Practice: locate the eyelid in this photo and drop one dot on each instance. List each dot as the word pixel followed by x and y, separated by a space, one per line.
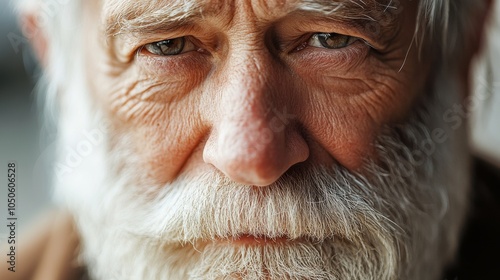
pixel 189 46
pixel 293 30
pixel 316 37
pixel 305 42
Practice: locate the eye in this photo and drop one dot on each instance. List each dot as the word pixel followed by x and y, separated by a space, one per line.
pixel 170 47
pixel 331 40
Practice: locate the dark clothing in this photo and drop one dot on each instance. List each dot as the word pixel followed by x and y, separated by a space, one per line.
pixel 479 255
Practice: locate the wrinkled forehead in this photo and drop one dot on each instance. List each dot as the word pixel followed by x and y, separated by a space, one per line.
pixel 217 5
pixel 119 13
pixel 213 7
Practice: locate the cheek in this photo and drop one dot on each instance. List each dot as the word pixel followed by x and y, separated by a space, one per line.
pixel 155 105
pixel 345 110
pixel 345 130
pixel 161 147
pixel 165 149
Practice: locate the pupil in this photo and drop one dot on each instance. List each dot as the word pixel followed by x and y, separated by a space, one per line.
pixel 333 40
pixel 164 46
pixel 171 46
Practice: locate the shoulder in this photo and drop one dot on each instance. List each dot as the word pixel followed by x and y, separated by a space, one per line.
pixel 479 256
pixel 48 250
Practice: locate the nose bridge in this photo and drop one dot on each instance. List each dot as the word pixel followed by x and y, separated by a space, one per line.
pixel 251 140
pixel 248 122
pixel 251 69
pixel 251 88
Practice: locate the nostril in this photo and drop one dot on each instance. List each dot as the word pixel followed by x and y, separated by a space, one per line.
pixel 249 170
pixel 256 167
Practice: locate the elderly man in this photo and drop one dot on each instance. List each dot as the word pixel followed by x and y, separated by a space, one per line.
pixel 250 139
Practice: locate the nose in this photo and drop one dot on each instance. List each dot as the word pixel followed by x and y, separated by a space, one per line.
pixel 255 137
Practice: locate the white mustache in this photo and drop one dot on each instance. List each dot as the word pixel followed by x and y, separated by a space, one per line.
pixel 315 204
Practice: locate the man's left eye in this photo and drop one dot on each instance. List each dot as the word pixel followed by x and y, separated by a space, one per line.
pixel 331 40
pixel 170 47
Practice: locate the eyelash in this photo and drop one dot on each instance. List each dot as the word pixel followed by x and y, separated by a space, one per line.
pixel 324 38
pixel 316 40
pixel 155 48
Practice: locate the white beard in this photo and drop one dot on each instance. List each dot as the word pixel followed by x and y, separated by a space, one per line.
pixel 400 220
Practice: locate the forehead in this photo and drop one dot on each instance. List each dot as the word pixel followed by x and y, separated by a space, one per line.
pixel 215 6
pixel 117 12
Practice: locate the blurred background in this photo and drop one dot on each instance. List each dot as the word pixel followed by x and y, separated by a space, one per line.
pixel 20 125
pixel 21 122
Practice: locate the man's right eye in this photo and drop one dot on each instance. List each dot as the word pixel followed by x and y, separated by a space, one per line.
pixel 170 47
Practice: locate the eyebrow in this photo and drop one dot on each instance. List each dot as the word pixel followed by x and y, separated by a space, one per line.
pixel 148 17
pixel 123 17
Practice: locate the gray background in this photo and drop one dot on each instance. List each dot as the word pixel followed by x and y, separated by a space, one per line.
pixel 19 127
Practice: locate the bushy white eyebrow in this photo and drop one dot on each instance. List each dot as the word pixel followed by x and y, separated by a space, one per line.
pixel 152 15
pixel 131 16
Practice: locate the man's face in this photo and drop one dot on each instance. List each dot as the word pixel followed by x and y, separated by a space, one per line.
pixel 229 119
pixel 252 88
